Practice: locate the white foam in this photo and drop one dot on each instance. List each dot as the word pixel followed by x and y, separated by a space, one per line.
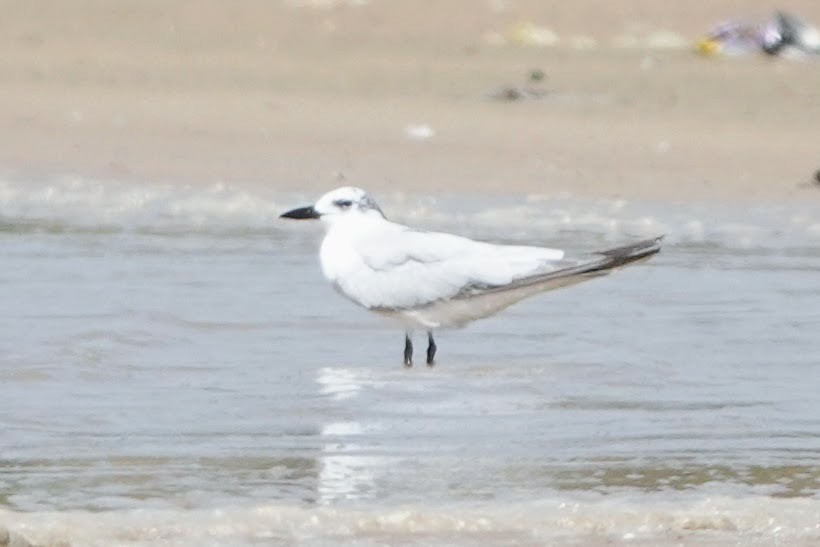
pixel 720 520
pixel 77 204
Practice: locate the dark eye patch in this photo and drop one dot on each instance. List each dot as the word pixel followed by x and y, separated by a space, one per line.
pixel 343 203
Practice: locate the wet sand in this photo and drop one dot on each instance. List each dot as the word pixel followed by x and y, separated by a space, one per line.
pixel 299 97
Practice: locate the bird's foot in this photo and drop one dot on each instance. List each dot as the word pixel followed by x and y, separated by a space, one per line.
pixel 431 349
pixel 408 351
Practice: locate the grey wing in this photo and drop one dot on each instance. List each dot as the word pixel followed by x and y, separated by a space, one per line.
pixel 476 302
pixel 571 272
pixel 409 269
pixel 437 286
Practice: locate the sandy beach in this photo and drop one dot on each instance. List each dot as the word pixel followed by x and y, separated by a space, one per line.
pixel 300 95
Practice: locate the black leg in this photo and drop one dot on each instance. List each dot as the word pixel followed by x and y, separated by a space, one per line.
pixel 408 351
pixel 431 349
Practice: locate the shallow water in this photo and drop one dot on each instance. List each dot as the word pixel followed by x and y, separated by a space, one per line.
pixel 175 369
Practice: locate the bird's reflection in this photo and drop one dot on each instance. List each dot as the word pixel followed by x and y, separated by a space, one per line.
pixel 345 473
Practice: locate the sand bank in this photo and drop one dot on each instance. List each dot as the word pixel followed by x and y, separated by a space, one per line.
pixel 297 97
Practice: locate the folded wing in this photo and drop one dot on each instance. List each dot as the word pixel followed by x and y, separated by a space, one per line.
pixel 407 269
pixel 476 302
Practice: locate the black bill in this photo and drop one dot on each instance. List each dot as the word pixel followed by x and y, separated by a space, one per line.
pixel 301 213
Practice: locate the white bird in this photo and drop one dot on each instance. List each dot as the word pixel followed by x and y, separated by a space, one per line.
pixel 431 280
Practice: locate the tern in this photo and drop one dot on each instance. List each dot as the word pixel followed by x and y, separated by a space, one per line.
pixel 430 280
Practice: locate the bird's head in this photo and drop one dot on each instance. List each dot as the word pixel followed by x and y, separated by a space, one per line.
pixel 341 203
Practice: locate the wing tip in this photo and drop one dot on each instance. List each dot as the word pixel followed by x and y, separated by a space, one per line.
pixel 632 252
pixel 638 246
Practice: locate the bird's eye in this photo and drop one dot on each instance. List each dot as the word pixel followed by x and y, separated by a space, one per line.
pixel 343 203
